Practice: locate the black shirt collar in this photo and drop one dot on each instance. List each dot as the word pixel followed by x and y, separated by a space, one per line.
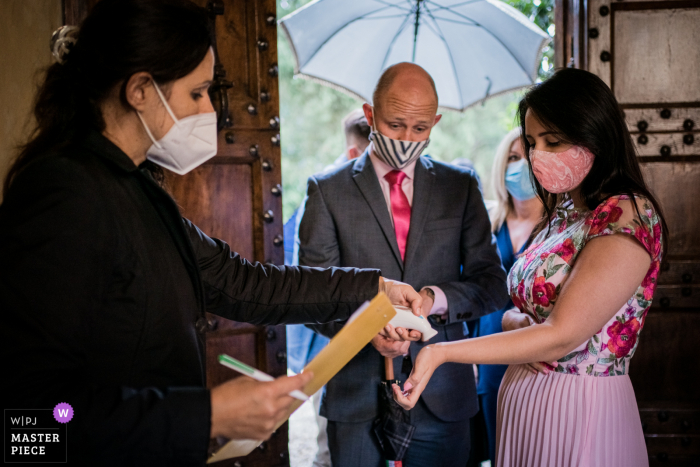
pixel 103 147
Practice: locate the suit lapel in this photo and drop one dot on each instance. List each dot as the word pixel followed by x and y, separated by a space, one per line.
pixel 423 180
pixel 366 179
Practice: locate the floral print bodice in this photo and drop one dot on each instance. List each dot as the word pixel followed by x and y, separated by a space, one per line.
pixel 536 279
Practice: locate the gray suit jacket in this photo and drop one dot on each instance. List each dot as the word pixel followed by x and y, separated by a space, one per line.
pixel 450 245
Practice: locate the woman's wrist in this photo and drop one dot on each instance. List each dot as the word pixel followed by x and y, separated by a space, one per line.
pixel 438 353
pixel 382 286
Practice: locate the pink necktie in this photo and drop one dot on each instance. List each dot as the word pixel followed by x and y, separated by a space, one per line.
pixel 400 209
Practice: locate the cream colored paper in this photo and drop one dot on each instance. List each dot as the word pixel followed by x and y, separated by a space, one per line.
pixel 362 326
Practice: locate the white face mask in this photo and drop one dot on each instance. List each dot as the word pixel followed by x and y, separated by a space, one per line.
pixel 188 144
pixel 396 153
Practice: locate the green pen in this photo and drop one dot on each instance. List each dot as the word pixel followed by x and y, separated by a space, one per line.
pixel 257 375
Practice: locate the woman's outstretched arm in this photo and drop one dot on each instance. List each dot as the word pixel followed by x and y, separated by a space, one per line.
pixel 606 274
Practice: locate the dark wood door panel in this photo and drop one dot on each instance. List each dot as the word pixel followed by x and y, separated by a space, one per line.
pixel 246 145
pixel 674 450
pixel 680 271
pixel 663 119
pixel 218 198
pixel 677 296
pixel 665 365
pixel 652 46
pixel 660 419
pixel 677 187
pixel 246 37
pixel 667 144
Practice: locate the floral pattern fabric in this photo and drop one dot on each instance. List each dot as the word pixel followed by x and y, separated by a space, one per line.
pixel 536 279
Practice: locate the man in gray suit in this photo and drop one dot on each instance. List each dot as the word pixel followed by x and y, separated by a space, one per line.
pixel 419 221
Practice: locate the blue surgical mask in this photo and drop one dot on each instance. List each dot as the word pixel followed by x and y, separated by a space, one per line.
pixel 518 181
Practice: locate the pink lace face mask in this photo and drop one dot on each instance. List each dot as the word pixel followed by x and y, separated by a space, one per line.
pixel 560 172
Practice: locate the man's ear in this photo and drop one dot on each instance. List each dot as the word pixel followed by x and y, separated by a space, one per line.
pixel 369 115
pixel 437 119
pixel 137 89
pixel 353 153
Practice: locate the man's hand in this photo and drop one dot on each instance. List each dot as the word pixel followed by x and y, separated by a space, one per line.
pixel 243 408
pixel 388 347
pixel 513 319
pixel 401 294
pixel 406 335
pixel 400 334
pixel 428 299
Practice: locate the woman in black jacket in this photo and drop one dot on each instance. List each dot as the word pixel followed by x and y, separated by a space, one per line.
pixel 103 281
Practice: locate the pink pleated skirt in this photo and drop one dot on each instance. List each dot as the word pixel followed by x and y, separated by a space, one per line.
pixel 562 420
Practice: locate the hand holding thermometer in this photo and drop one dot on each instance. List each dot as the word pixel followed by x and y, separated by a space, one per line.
pixel 406 319
pixel 257 375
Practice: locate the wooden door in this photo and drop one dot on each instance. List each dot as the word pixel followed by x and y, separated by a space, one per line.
pixel 236 196
pixel 648 52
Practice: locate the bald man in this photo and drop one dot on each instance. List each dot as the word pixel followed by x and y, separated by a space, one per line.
pixel 422 222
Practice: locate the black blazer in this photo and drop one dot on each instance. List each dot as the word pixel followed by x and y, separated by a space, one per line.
pixel 101 285
pixel 346 223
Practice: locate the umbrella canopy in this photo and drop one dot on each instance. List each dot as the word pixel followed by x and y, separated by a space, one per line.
pixel 472 48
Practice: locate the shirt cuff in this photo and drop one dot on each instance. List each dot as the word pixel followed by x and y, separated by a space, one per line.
pixel 440 303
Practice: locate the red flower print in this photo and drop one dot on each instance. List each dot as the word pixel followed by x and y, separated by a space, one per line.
pixel 603 215
pixel 542 291
pixel 519 297
pixel 651 242
pixel 657 240
pixel 623 336
pixel 566 250
pixel 642 234
pixel 649 282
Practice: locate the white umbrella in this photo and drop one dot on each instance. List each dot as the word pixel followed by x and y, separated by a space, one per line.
pixel 473 49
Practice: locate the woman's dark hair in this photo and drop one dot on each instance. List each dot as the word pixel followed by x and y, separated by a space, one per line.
pixel 582 110
pixel 166 38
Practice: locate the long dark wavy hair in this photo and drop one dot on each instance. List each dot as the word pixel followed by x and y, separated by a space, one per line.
pixel 166 38
pixel 583 111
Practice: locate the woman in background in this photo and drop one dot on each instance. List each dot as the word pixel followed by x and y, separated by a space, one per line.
pixel 587 280
pixel 517 212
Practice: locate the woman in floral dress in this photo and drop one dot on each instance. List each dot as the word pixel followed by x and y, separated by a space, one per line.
pixel 586 281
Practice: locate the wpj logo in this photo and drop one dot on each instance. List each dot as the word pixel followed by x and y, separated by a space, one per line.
pixel 37 435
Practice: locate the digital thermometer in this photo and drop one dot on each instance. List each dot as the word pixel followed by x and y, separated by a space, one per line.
pixel 406 319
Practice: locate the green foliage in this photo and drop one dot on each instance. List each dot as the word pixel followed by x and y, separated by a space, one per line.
pixel 311 114
pixel 540 12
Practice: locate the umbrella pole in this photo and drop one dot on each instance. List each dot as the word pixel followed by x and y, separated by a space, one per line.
pixel 415 30
pixel 388 368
